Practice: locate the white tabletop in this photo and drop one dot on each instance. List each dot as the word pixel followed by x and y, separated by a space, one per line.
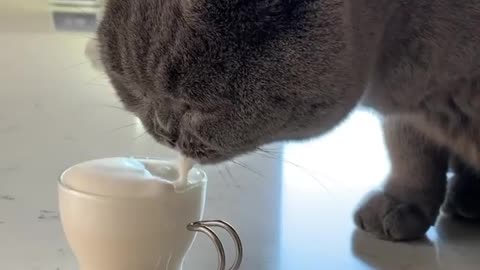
pixel 292 206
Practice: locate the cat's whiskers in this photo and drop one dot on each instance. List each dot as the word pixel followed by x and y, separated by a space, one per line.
pixel 220 173
pixel 140 136
pixel 247 168
pixel 65 68
pixel 269 151
pixel 97 84
pixel 231 180
pixel 311 174
pixel 116 107
pixel 123 127
pixel 102 76
pixel 230 173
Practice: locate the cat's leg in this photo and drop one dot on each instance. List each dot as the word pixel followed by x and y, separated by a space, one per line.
pixel 463 196
pixel 411 198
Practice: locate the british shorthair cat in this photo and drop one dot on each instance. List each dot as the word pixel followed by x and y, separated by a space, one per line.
pixel 219 78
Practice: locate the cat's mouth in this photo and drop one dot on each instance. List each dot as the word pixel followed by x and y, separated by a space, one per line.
pixel 206 160
pixel 193 148
pixel 208 156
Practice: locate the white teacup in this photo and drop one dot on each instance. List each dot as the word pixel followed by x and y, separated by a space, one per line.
pixel 151 228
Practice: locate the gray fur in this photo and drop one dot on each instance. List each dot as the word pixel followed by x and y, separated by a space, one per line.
pixel 219 78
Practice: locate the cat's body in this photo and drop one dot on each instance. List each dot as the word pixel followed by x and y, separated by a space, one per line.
pixel 428 72
pixel 220 78
pixel 426 84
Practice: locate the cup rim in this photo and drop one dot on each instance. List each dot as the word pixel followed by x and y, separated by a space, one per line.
pixel 61 185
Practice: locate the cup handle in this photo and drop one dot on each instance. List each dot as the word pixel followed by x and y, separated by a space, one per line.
pixel 205 227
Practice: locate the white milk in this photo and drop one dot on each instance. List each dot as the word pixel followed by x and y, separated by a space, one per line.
pixel 124 213
pixel 184 167
pixel 129 177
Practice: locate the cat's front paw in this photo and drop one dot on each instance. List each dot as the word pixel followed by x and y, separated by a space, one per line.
pixel 390 219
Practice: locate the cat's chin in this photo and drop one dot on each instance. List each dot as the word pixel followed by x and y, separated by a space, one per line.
pixel 212 159
pixel 206 160
pixel 216 157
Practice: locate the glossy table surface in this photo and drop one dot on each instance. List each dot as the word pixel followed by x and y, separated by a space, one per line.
pixel 292 204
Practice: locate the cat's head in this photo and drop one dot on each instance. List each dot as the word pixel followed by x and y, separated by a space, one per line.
pixel 219 78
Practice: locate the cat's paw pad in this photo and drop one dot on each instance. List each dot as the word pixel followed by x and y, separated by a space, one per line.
pixel 391 219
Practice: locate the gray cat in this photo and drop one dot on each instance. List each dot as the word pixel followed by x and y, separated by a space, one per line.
pixel 220 78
